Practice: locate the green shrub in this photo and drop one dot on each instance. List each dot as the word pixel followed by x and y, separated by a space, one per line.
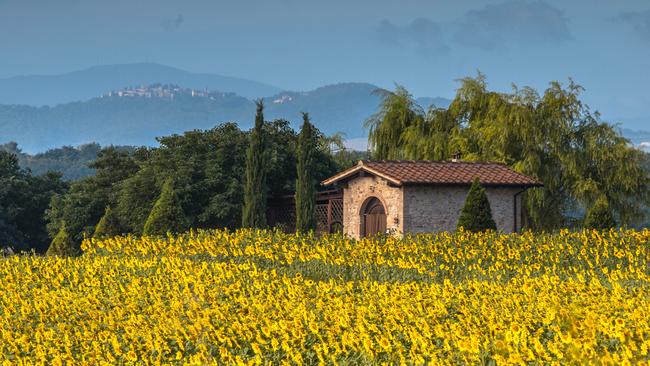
pixel 476 214
pixel 108 226
pixel 63 245
pixel 167 214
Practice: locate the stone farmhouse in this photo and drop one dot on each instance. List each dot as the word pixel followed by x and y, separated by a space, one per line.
pixel 424 196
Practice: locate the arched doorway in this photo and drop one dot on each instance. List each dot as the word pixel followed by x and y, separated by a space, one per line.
pixel 373 218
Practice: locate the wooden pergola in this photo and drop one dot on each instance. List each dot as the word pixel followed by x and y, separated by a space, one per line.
pixel 328 210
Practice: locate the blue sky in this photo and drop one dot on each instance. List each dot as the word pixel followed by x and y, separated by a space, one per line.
pixel 303 44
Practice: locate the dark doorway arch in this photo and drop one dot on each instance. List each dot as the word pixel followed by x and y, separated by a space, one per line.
pixel 373 217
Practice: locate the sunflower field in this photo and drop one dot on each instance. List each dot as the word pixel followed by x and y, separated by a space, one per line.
pixel 264 297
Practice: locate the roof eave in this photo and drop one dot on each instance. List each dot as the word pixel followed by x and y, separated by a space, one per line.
pixel 526 185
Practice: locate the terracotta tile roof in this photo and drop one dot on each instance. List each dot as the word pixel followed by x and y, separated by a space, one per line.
pixel 440 173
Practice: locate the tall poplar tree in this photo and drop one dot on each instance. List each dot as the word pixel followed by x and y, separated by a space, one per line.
pixel 254 212
pixel 397 112
pixel 305 190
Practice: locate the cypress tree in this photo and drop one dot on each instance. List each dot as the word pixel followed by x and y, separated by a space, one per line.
pixel 305 191
pixel 167 214
pixel 476 214
pixel 108 226
pixel 600 217
pixel 63 245
pixel 254 211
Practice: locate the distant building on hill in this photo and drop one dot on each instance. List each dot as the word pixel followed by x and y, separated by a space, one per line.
pixel 422 196
pixel 164 91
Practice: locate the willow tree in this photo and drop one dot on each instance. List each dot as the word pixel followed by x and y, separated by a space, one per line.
pixel 254 210
pixel 305 181
pixel 600 216
pixel 397 111
pixel 553 137
pixel 442 136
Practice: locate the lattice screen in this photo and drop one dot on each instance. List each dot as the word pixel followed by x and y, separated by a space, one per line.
pixel 329 215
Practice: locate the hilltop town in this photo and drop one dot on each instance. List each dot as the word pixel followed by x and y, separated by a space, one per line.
pixel 167 91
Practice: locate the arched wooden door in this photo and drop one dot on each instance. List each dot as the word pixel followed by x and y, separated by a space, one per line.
pixel 373 218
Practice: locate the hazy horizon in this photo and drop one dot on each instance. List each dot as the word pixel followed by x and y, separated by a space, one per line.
pixel 302 45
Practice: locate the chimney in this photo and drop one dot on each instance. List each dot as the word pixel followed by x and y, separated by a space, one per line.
pixel 455 158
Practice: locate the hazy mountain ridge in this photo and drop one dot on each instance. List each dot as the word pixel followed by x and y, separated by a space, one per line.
pixel 116 120
pixel 71 162
pixel 332 108
pixel 119 107
pixel 138 119
pixel 40 90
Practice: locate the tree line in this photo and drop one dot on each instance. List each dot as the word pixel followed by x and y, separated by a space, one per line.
pixel 552 136
pixel 224 177
pixel 200 179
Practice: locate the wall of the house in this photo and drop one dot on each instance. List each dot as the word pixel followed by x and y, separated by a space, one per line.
pixel 424 209
pixel 358 190
pixel 437 208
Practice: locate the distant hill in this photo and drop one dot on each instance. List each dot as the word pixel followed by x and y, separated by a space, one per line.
pixel 71 162
pixel 39 90
pixel 138 119
pixel 42 112
pixel 149 113
pixel 116 120
pixel 438 102
pixel 334 108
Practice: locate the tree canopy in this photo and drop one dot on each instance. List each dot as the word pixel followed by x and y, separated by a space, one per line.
pixel 24 199
pixel 552 136
pixel 207 167
pixel 84 204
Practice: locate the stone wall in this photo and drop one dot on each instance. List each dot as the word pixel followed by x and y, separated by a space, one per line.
pixel 437 208
pixel 358 190
pixel 421 208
